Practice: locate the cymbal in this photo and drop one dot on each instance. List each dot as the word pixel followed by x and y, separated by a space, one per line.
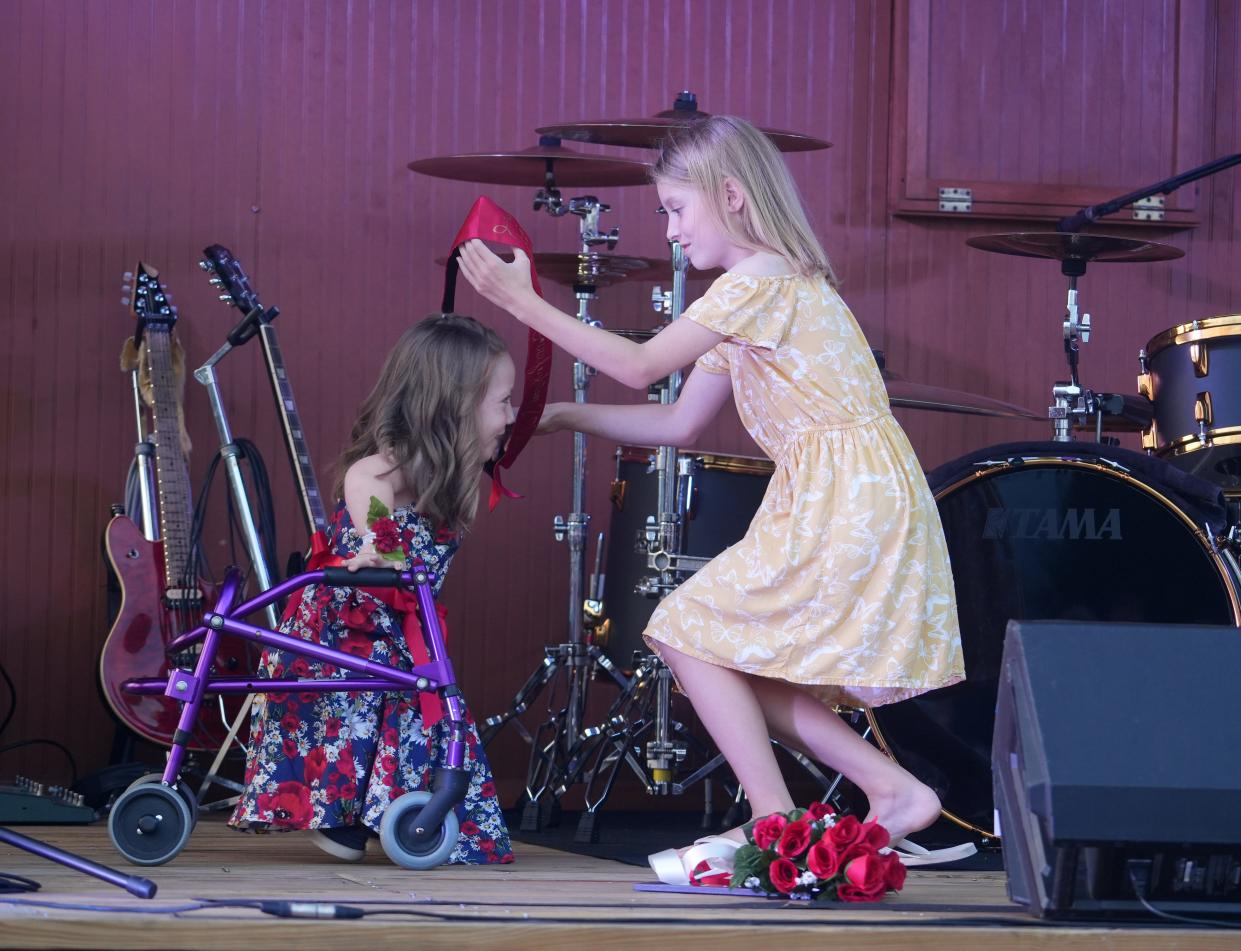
pixel 910 395
pixel 1075 247
pixel 601 269
pixel 528 167
pixel 650 133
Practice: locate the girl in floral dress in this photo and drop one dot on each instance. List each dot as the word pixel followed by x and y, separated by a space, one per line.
pixel 840 591
pixel 332 762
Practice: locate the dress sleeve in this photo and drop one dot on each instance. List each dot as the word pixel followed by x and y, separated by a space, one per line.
pixel 753 311
pixel 715 360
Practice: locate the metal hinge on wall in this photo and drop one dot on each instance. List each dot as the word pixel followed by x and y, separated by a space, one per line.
pixel 956 199
pixel 1148 209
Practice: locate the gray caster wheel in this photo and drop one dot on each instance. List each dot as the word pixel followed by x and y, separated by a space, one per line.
pixel 156 779
pixel 402 842
pixel 150 824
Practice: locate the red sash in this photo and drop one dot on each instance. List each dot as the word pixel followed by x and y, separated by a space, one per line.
pixel 489 222
pixel 399 599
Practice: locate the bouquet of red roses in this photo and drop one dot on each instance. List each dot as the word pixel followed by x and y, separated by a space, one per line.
pixel 813 853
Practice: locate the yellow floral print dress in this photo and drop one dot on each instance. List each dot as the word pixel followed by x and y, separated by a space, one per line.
pixel 842 581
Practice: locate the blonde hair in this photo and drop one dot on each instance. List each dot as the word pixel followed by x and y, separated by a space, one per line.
pixel 710 150
pixel 422 415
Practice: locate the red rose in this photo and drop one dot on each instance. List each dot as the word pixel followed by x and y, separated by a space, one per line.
pixel 874 835
pixel 277 697
pixel 300 667
pixel 331 727
pixel 387 763
pixel 865 879
pixel 469 827
pixel 349 791
pixel 344 762
pixel 390 737
pixel 307 697
pixel 893 872
pixel 289 805
pixel 316 765
pixel 794 839
pixel 823 859
pixel 767 830
pixel 331 794
pixel 387 535
pixel 289 747
pixel 487 790
pixel 819 810
pixel 290 722
pixel 783 875
pixel 845 832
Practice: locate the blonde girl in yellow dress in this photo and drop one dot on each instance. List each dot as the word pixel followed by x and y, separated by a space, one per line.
pixel 840 592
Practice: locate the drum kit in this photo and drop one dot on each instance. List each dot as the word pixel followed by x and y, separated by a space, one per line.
pixel 1062 529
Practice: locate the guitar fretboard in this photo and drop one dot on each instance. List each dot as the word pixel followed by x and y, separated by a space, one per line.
pixel 294 435
pixel 171 467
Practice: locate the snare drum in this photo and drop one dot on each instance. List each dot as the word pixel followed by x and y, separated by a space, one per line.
pixel 724 492
pixel 1035 532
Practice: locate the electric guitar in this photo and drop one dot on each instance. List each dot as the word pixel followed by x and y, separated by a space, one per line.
pixel 228 275
pixel 160 596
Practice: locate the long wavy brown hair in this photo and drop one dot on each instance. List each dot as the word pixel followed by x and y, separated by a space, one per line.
pixel 422 414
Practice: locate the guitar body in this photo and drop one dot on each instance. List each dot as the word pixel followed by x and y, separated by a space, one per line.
pixel 135 646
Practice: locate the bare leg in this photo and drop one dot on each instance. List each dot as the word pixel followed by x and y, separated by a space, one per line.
pixel 898 800
pixel 725 701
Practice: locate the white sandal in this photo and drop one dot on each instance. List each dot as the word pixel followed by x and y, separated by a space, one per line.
pixel 672 868
pixel 911 853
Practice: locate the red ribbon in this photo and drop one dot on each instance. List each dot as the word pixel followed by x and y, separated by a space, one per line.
pixel 399 599
pixel 489 222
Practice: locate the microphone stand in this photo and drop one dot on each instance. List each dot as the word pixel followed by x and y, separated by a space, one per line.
pixel 1090 214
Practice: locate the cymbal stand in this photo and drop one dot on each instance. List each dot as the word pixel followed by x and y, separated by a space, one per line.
pixel 554 742
pixel 1069 399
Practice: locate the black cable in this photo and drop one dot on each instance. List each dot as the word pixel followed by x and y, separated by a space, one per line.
pixel 12 699
pixel 73 765
pixel 1139 889
pixel 10 883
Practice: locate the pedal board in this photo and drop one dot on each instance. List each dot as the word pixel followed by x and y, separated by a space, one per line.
pixel 26 802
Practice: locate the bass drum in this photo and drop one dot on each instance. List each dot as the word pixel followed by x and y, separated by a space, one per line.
pixel 1038 532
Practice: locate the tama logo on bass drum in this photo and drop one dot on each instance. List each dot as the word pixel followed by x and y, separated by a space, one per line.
pixel 1088 524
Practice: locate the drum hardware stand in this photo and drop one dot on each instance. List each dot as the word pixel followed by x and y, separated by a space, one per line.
pixel 554 742
pixel 1069 399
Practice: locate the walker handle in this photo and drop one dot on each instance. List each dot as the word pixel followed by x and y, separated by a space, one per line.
pixel 338 577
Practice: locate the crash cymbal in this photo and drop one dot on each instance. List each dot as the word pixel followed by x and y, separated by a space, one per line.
pixel 529 167
pixel 904 393
pixel 1075 247
pixel 650 132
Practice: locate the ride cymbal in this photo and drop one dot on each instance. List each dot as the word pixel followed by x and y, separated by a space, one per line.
pixel 529 167
pixel 910 395
pixel 1075 247
pixel 649 133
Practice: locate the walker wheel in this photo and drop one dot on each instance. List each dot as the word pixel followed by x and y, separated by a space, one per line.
pixel 157 779
pixel 405 846
pixel 150 824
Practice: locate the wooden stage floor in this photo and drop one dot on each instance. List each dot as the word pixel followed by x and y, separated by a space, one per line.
pixel 547 899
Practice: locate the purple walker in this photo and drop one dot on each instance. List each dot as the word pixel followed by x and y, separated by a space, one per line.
pixel 152 820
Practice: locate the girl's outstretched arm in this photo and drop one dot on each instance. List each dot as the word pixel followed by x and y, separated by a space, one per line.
pixel 647 424
pixel 507 285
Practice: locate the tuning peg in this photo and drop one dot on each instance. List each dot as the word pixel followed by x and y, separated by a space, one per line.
pixel 215 282
pixel 127 276
pixel 205 265
pixel 227 299
pixel 126 301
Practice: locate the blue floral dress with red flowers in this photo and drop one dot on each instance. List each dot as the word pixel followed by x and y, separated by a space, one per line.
pixel 330 760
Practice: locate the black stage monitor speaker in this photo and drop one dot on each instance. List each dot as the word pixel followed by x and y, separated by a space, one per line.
pixel 1116 766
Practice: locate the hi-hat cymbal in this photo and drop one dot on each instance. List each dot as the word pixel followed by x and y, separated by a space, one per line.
pixel 601 269
pixel 528 167
pixel 1075 247
pixel 910 395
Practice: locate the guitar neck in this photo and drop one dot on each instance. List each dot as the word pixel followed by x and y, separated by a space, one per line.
pixel 171 467
pixel 294 434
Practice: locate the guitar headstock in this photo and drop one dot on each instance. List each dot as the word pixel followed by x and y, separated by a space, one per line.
pixel 227 273
pixel 148 300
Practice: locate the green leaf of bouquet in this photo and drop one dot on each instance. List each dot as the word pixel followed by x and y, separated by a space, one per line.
pixel 748 860
pixel 376 511
pixel 396 555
